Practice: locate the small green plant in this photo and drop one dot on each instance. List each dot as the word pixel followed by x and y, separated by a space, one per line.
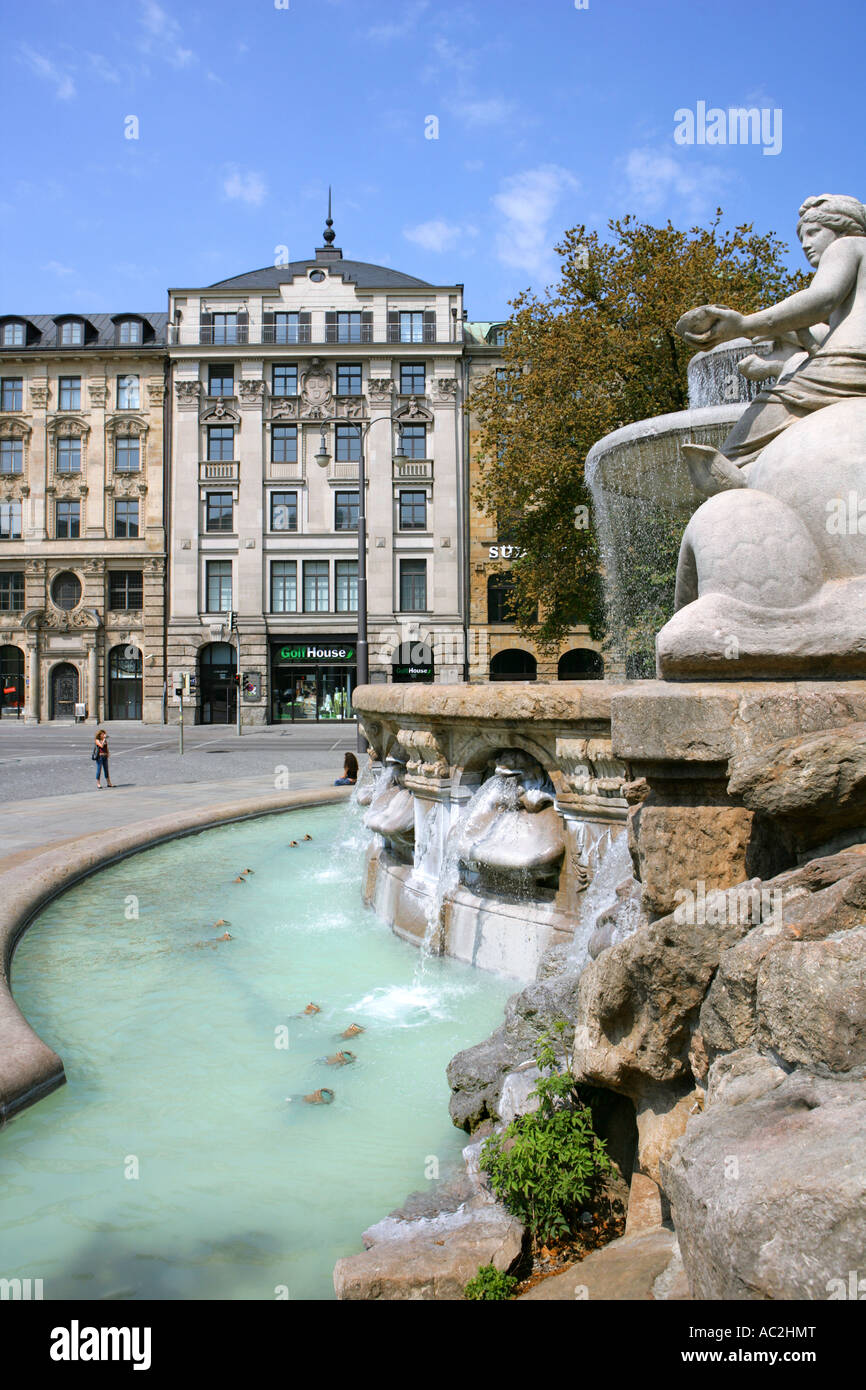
pixel 490 1282
pixel 545 1166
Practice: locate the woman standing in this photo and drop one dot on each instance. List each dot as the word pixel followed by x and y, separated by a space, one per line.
pixel 100 756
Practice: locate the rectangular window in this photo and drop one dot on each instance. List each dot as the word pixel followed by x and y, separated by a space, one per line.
pixel 71 334
pixel 350 328
pixel 413 511
pixel 414 439
pixel 413 379
pixel 130 331
pixel 13 335
pixel 126 518
pixel 286 328
pixel 284 511
pixel 218 582
pixel 12 591
pixel 225 328
pixel 346 580
pixel 11 456
pixel 69 454
pixel 220 442
pixel 11 393
pixel 411 326
pixel 128 397
pixel 219 511
pixel 70 393
pixel 348 378
pixel 345 511
pixel 221 380
pixel 10 521
pixel 125 590
pixel 284 586
pixel 316 598
pixel 127 454
pixel 347 444
pixel 284 443
pixel 413 586
pixel 284 381
pixel 67 517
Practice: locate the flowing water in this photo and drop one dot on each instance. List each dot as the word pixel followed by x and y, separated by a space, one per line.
pixel 173 1165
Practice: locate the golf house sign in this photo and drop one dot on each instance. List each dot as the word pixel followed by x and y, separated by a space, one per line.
pixel 312 652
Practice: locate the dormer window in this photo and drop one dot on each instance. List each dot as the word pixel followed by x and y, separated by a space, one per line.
pixel 72 333
pixel 14 334
pixel 129 331
pixel 496 336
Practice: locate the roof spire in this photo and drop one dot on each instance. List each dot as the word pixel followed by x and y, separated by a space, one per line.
pixel 330 234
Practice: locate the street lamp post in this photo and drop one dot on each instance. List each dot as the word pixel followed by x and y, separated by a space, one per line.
pixel 323 459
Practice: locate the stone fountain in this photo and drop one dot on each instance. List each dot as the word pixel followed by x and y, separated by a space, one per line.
pixel 728 1020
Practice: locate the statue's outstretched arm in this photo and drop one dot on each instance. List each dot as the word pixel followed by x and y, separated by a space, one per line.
pixel 832 282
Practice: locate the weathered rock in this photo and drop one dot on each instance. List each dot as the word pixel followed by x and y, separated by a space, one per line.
pixel 628 1268
pixel 476 1075
pixel 430 1259
pixel 823 898
pixel 768 1185
pixel 681 845
pixel 815 783
pixel 811 1001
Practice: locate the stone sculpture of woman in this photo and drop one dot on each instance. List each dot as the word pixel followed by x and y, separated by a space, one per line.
pixel 828 320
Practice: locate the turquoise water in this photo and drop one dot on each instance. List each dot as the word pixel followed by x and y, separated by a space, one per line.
pixel 172 1165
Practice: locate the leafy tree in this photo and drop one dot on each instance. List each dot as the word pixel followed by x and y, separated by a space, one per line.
pixel 596 352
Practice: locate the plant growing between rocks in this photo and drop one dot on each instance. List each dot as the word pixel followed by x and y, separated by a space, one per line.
pixel 547 1165
pixel 490 1283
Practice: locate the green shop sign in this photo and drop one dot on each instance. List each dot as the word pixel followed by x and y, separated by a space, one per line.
pixel 309 652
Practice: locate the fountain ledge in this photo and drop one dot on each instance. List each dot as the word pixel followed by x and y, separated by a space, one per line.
pixel 29 1068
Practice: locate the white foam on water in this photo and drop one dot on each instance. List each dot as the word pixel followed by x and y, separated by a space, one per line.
pixel 407 1006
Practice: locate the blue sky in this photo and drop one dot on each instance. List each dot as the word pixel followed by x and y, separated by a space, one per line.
pixel 548 115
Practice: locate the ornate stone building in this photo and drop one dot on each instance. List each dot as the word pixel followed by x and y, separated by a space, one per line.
pixel 82 539
pixel 278 378
pixel 496 650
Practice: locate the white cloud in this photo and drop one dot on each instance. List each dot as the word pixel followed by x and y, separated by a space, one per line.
pixel 401 29
pixel 43 67
pixel 103 68
pixel 526 205
pixel 438 235
pixel 248 187
pixel 491 111
pixel 655 179
pixel 163 35
pixel 57 268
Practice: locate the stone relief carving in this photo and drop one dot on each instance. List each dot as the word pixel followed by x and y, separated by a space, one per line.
pixel 187 394
pixel 15 429
pixel 129 424
pixel 251 392
pixel 446 386
pixel 220 413
pixel 413 413
pixel 156 391
pixel 39 393
pixel 98 390
pixel 589 767
pixel 349 407
pixel 284 408
pixel 316 393
pixel 427 757
pixel 379 388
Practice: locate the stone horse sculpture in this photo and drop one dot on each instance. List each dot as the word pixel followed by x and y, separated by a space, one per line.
pixel 771 579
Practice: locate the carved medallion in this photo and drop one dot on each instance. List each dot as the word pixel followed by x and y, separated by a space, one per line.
pixel 316 394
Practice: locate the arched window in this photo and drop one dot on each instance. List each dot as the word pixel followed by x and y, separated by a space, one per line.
pixel 513 664
pixel 580 664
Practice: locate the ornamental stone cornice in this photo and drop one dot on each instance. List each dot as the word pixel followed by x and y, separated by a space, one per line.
pixel 126 424
pixel 15 428
pixel 220 414
pixel 63 425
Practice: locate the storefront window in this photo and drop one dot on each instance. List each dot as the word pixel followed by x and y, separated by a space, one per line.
pixel 312 679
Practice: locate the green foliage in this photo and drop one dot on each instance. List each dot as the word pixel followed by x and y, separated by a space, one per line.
pixel 545 1166
pixel 593 353
pixel 490 1283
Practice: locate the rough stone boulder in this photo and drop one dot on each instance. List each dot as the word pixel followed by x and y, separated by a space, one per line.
pixel 795 984
pixel 814 784
pixel 430 1258
pixel 768 1185
pixel 477 1074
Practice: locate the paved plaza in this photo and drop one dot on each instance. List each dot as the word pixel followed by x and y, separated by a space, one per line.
pixel 48 792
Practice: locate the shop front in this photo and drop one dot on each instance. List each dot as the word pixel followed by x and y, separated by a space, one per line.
pixel 312 679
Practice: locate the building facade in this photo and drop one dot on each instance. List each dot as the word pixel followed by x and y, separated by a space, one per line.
pixel 496 651
pixel 82 537
pixel 269 370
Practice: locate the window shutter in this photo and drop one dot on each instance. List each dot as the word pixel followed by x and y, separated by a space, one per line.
pixel 243 325
pixel 429 325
